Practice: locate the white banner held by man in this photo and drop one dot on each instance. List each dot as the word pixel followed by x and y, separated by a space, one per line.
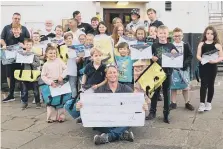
pixel 112 110
pixel 172 60
pixel 140 51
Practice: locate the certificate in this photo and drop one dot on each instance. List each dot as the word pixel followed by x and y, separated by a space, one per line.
pixel 60 90
pixel 26 59
pixel 172 60
pixel 139 51
pixel 112 110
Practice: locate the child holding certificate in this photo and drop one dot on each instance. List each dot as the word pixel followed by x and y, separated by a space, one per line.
pixel 210 44
pixel 53 70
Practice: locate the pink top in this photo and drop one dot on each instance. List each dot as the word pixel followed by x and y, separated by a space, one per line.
pixel 52 70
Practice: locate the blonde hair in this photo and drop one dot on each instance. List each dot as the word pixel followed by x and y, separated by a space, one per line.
pixel 90 35
pixel 17 26
pixel 163 27
pixel 66 35
pixel 93 50
pixel 177 30
pixel 154 28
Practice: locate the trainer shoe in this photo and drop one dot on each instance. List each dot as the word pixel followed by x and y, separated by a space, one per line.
pixel 128 136
pixel 208 106
pixel 38 106
pixel 201 107
pixel 101 139
pixel 189 106
pixel 8 99
pixel 173 106
pixel 24 106
pixel 151 116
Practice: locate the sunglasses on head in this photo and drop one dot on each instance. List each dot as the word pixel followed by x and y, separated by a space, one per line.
pixel 111 65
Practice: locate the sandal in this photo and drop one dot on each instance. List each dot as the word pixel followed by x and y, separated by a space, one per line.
pixel 60 120
pixel 50 121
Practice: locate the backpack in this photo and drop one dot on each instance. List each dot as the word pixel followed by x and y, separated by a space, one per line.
pixel 57 101
pixel 151 78
pixel 63 52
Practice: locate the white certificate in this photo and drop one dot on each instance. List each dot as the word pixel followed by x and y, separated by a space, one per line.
pixel 27 59
pixel 126 39
pixel 141 52
pixel 112 109
pixel 172 60
pixel 72 53
pixel 60 90
pixel 206 58
pixel 10 54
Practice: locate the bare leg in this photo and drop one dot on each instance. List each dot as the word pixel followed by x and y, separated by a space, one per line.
pixel 186 95
pixel 173 96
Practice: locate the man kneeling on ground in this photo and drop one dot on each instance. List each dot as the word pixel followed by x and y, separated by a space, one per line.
pixel 111 134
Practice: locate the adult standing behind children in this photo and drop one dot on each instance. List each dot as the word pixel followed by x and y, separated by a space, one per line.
pixel 7 35
pixel 94 24
pixel 85 27
pixel 48 32
pixel 74 30
pixel 153 19
pixel 135 23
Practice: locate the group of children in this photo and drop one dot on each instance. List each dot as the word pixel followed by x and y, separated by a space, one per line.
pixel 55 66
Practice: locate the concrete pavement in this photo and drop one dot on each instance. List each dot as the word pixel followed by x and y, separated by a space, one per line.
pixel 27 129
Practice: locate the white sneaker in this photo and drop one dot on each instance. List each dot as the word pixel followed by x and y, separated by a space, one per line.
pixel 201 107
pixel 208 106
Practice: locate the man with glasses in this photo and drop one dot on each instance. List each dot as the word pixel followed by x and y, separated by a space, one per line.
pixel 6 34
pixel 12 34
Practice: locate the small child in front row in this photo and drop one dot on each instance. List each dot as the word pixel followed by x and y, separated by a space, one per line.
pixel 54 69
pixel 125 65
pixel 25 84
pixel 157 50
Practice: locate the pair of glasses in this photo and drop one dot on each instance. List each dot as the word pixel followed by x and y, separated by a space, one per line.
pixel 17 18
pixel 177 36
pixel 111 65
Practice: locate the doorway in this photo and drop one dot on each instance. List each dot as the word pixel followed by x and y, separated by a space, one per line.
pixel 110 14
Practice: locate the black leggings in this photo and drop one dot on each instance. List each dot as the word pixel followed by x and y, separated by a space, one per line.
pixel 166 94
pixel 208 74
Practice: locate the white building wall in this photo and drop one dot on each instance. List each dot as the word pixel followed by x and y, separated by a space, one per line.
pixel 190 16
pixel 44 10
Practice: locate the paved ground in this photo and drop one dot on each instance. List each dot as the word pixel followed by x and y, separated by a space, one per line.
pixel 188 130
